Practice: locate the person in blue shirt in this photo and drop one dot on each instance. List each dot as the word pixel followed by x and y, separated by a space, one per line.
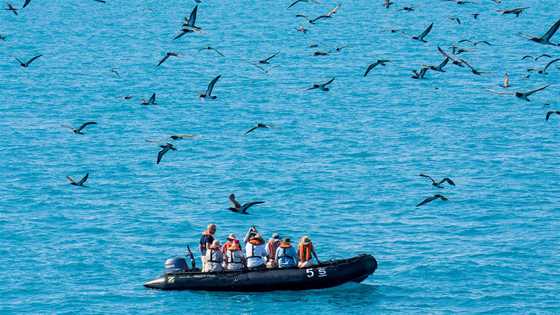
pixel 286 255
pixel 206 240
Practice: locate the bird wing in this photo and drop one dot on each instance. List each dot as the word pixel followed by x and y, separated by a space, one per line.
pixel 26 3
pixel 369 68
pixel 33 59
pixel 548 114
pixel 466 63
pixel 446 55
pixel 294 3
pixel 425 201
pixel 19 60
pixel 162 60
pixel 427 176
pixel 448 180
pixel 234 202
pixel 543 55
pixel 443 63
pixel 551 62
pixel 152 99
pixel 274 55
pixel 211 85
pixel 86 124
pixel 426 31
pixel 251 130
pixel 217 51
pixel 536 90
pixel 548 35
pixel 68 126
pixel 329 82
pixel 248 205
pixel 527 56
pixel 192 17
pixel 83 180
pixel 70 179
pixel 161 153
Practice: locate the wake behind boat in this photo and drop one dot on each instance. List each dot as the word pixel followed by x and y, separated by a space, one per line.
pixel 325 275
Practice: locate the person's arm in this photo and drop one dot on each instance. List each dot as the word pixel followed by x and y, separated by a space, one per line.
pixel 246 238
pixel 315 254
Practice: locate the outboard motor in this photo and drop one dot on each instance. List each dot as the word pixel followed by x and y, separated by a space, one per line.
pixel 176 264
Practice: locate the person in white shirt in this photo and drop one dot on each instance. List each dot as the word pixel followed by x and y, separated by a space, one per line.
pixel 255 250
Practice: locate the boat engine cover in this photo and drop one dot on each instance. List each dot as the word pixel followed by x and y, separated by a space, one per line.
pixel 176 264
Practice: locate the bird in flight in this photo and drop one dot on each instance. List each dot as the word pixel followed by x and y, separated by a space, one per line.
pixel 181 136
pixel 167 55
pixel 424 34
pixel 545 39
pixel 557 112
pixel 439 68
pixel 432 198
pixel 516 11
pixel 381 62
pixel 28 62
pixel 258 126
pixel 10 7
pixel 211 48
pixel 164 149
pixel 387 3
pixel 266 61
pixel 78 183
pixel 321 86
pixel 150 101
pixel 189 24
pixel 543 70
pixel 420 74
pixel 208 93
pixel 78 130
pixel 237 207
pixel 438 183
pixel 522 95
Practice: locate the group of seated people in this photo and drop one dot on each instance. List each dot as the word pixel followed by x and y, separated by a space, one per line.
pixel 276 253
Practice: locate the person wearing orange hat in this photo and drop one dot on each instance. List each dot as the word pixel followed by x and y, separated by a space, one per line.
pixel 234 258
pixel 306 252
pixel 255 250
pixel 286 255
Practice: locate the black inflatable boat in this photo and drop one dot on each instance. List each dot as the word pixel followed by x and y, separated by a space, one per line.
pixel 325 275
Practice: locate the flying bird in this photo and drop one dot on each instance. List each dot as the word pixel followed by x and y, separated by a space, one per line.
pixel 438 183
pixel 164 149
pixel 454 60
pixel 381 62
pixel 266 61
pixel 189 24
pixel 78 183
pixel 78 130
pixel 113 70
pixel 321 86
pixel 545 39
pixel 419 74
pixel 516 11
pixel 439 68
pixel 543 70
pixel 150 101
pixel 28 62
pixel 387 3
pixel 557 112
pixel 237 207
pixel 258 126
pixel 211 48
pixel 208 93
pixel 10 7
pixel 167 55
pixel 181 136
pixel 430 199
pixel 522 95
pixel 424 34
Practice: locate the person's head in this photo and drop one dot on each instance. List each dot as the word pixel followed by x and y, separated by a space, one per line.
pixel 275 236
pixel 211 228
pixel 231 237
pixel 215 244
pixel 305 240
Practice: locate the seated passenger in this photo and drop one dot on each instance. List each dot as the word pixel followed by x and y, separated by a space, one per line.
pixel 214 258
pixel 229 241
pixel 306 252
pixel 286 255
pixel 271 248
pixel 234 259
pixel 255 250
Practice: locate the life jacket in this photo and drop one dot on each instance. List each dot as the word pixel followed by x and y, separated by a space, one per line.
pixel 212 260
pixel 254 243
pixel 232 257
pixel 305 252
pixel 283 253
pixel 271 247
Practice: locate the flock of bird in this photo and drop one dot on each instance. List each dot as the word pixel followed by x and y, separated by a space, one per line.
pixel 453 57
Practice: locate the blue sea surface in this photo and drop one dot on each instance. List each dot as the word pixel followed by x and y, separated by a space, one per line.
pixel 341 166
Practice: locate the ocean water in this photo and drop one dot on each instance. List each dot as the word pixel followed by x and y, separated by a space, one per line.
pixel 341 166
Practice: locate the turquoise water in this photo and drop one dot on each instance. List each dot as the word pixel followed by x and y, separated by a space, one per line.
pixel 340 166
